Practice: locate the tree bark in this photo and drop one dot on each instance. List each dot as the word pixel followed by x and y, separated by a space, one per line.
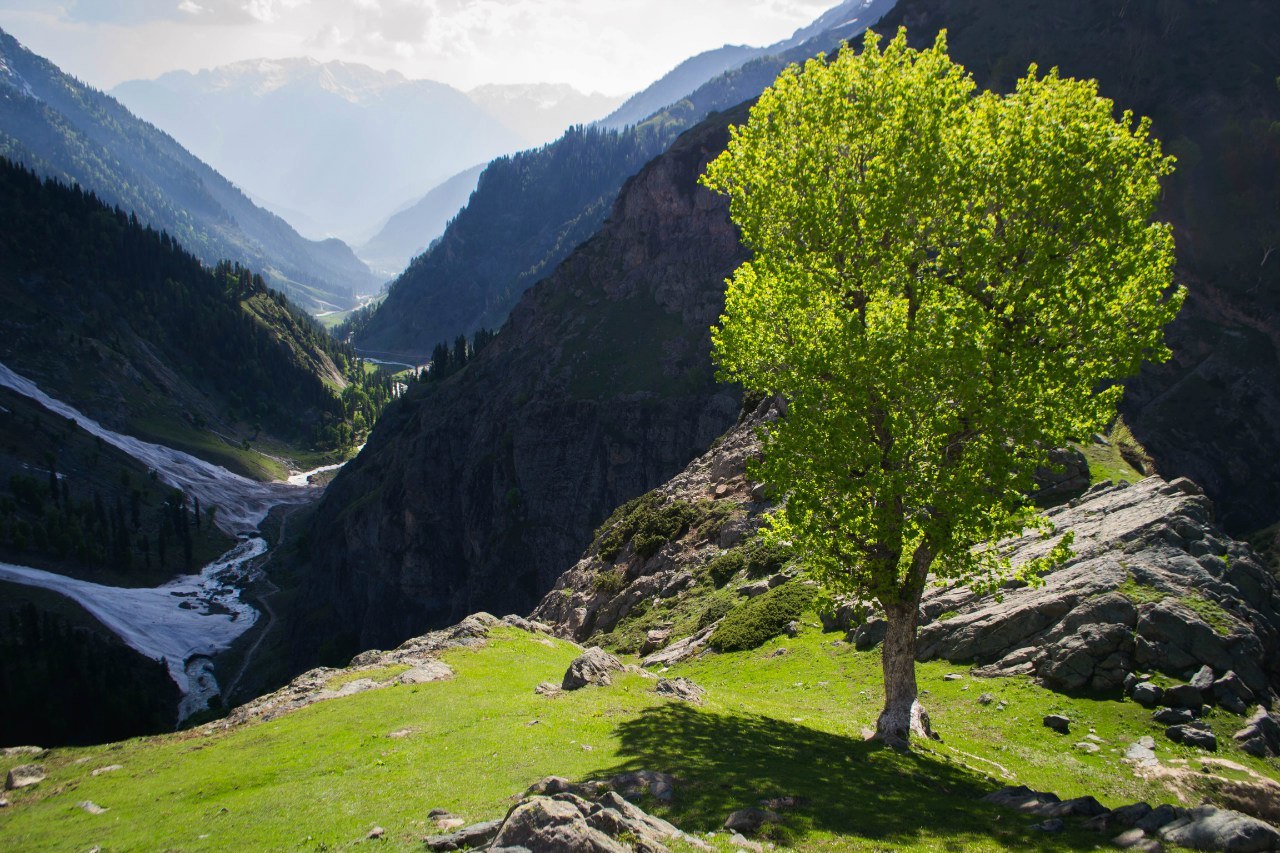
pixel 902 715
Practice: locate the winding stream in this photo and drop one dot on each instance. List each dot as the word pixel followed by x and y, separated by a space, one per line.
pixel 192 617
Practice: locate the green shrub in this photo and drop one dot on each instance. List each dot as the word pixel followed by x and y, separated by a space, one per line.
pixel 648 523
pixel 608 581
pixel 723 567
pixel 716 609
pixel 762 618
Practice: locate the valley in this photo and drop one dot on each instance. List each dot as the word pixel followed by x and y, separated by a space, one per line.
pixel 454 530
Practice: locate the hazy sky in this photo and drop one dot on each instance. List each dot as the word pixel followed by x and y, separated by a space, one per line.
pixel 611 46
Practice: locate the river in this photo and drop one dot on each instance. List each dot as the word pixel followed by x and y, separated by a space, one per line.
pixel 191 618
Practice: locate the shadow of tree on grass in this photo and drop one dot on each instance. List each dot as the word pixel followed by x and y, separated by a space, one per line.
pixel 845 786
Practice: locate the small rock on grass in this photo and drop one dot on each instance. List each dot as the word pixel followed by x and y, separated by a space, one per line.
pixel 376 833
pixel 93 808
pixel 741 842
pixel 986 699
pixel 24 775
pixel 1058 723
pixel 1053 824
pixel 749 821
pixel 546 688
pixel 1088 746
pixel 110 768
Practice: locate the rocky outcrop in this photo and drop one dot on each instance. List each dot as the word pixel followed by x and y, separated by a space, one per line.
pixel 375 669
pixel 479 491
pixel 1153 585
pixel 591 667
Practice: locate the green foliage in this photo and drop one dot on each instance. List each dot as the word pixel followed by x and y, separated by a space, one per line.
pixel 647 522
pixel 760 619
pixel 717 608
pixel 723 567
pixel 757 557
pixel 608 581
pixel 1140 593
pixel 943 284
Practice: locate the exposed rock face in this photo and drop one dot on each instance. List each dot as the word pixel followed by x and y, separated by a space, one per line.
pixel 568 823
pixel 478 492
pixel 579 607
pixel 1150 572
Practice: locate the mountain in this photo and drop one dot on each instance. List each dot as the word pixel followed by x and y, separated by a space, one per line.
pixel 688 76
pixel 477 491
pixel 119 321
pixel 339 142
pixel 529 212
pixel 409 232
pixel 473 493
pixel 540 112
pixel 63 128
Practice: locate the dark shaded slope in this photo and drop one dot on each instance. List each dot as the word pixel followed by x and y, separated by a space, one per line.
pixel 475 493
pixel 62 128
pixel 1206 74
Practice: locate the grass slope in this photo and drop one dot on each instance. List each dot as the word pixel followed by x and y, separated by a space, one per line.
pixel 774 724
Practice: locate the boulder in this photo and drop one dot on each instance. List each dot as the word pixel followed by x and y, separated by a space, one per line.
pixel 1158 817
pixel 1231 693
pixel 1124 817
pixel 749 821
pixel 1211 828
pixel 427 672
pixel 1021 798
pixel 1184 696
pixel 23 776
pixel 476 835
pixel 1058 723
pixel 1260 735
pixel 655 639
pixel 661 786
pixel 1202 680
pixel 1191 735
pixel 591 667
pixel 555 826
pixel 1147 695
pixel 1173 716
pixel 680 688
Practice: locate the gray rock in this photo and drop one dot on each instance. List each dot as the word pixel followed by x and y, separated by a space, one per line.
pixel 16 751
pixel 1022 798
pixel 870 634
pixel 655 639
pixel 1230 685
pixel 1184 696
pixel 792 629
pixel 1203 679
pixel 682 689
pixel 1158 817
pixel 1078 807
pixel 427 672
pixel 93 808
pixel 749 821
pixel 591 667
pixel 467 838
pixel 1128 839
pixel 554 826
pixel 1088 747
pixel 1173 716
pixel 1210 828
pixel 681 650
pixel 1147 695
pixel 1053 824
pixel 548 688
pixel 1058 723
pixel 952 676
pixel 1191 735
pixel 751 590
pixel 1123 817
pixel 1141 753
pixel 1260 735
pixel 986 699
pixel 23 776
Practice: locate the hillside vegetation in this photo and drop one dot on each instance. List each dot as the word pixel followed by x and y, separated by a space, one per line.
pixel 784 720
pixel 120 321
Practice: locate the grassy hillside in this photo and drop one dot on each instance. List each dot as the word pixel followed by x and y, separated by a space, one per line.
pixel 783 720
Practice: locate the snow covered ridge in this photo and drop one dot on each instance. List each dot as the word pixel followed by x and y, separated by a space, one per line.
pixel 242 503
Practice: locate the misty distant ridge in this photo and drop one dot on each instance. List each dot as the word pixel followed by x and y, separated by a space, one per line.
pixel 335 148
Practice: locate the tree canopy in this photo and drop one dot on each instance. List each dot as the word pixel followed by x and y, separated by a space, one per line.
pixel 945 285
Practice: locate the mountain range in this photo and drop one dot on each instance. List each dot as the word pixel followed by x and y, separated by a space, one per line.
pixel 529 211
pixel 60 127
pixel 336 148
pixel 474 492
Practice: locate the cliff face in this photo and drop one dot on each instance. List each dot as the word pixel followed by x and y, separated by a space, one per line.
pixel 476 493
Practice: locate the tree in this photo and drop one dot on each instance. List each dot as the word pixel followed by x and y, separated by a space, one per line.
pixel 945 285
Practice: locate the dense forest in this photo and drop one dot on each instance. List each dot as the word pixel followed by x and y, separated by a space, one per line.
pixel 66 683
pixel 87 285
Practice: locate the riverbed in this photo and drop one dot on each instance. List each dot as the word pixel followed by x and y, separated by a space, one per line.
pixel 193 617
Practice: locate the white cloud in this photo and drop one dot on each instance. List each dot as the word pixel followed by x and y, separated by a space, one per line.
pixel 603 45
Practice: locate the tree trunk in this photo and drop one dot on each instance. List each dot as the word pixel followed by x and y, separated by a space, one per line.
pixel 902 715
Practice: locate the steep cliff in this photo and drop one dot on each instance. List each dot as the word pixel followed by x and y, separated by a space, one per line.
pixel 477 492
